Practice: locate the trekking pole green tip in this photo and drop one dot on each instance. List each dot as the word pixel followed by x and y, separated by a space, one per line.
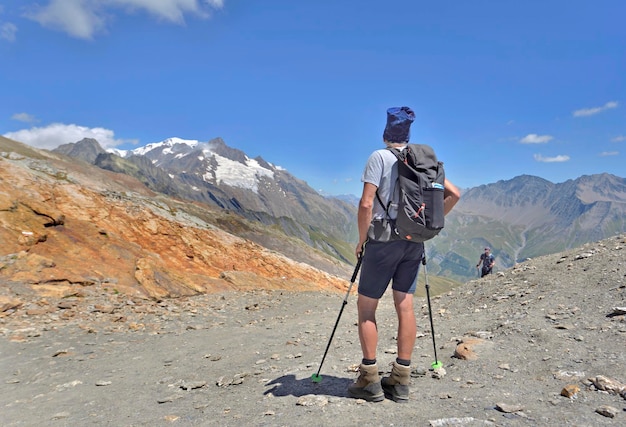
pixel 316 378
pixel 436 364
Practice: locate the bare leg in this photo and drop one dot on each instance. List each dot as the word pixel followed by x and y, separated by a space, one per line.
pixel 368 331
pixel 406 324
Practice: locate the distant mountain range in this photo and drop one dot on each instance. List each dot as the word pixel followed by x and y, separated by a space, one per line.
pixel 526 217
pixel 214 173
pixel 520 218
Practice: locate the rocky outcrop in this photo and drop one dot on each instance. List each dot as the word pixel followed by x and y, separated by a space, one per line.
pixel 67 227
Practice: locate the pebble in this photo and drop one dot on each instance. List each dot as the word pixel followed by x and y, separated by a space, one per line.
pixel 60 415
pixel 508 408
pixel 445 422
pixel 607 411
pixel 419 371
pixel 570 390
pixel 312 400
pixel 192 385
pixel 439 373
pixel 169 398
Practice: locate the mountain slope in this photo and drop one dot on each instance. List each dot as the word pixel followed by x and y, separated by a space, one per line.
pixel 542 344
pixel 528 216
pixel 67 226
pixel 86 149
pixel 213 173
pixel 520 218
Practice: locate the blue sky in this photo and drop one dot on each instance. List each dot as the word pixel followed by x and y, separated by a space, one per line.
pixel 499 89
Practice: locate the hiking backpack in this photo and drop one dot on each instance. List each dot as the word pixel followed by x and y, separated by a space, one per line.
pixel 420 188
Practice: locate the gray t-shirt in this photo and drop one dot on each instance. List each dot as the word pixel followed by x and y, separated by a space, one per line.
pixel 382 171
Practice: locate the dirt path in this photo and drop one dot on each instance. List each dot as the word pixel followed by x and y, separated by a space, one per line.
pixel 247 359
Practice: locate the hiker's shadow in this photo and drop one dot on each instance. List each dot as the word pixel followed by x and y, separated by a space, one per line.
pixel 288 385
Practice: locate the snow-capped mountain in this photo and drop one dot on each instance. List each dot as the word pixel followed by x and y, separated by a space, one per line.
pixel 171 146
pixel 223 165
pixel 214 173
pixel 523 217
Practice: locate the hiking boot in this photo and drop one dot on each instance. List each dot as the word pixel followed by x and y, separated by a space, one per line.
pixel 396 386
pixel 367 386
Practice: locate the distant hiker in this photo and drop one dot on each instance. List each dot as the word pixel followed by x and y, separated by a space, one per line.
pixel 487 260
pixel 386 260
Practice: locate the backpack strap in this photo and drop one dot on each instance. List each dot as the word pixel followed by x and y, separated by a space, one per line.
pixel 400 155
pixel 401 158
pixel 386 208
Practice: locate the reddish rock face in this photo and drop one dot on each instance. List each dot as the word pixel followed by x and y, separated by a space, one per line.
pixel 67 227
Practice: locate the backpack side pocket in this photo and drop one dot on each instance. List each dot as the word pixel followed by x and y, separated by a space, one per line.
pixel 382 230
pixel 433 207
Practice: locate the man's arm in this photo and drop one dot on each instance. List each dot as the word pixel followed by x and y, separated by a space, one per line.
pixel 365 214
pixel 451 195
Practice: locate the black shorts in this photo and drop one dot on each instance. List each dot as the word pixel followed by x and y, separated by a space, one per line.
pixel 397 260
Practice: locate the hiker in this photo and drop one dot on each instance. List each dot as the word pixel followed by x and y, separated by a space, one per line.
pixel 487 260
pixel 384 261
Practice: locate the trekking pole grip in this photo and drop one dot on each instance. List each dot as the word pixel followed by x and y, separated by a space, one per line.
pixel 356 269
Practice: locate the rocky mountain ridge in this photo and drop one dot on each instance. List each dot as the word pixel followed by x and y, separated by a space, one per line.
pixel 526 217
pixel 213 173
pixel 67 227
pixel 520 218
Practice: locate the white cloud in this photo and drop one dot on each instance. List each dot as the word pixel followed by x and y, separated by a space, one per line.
pixel 556 159
pixel 8 31
pixel 53 135
pixel 619 138
pixel 86 18
pixel 78 18
pixel 533 138
pixel 24 117
pixel 609 153
pixel 595 110
pixel 168 10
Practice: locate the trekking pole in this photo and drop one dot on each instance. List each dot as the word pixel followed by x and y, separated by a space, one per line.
pixel 436 364
pixel 316 377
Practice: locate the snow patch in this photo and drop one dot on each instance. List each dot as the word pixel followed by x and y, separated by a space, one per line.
pixel 237 174
pixel 165 145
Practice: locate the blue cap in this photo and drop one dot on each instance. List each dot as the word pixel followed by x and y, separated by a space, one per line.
pixel 398 128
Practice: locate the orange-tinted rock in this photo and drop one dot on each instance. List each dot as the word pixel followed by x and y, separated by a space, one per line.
pixel 99 229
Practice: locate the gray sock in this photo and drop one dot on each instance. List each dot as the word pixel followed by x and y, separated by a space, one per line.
pixel 403 362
